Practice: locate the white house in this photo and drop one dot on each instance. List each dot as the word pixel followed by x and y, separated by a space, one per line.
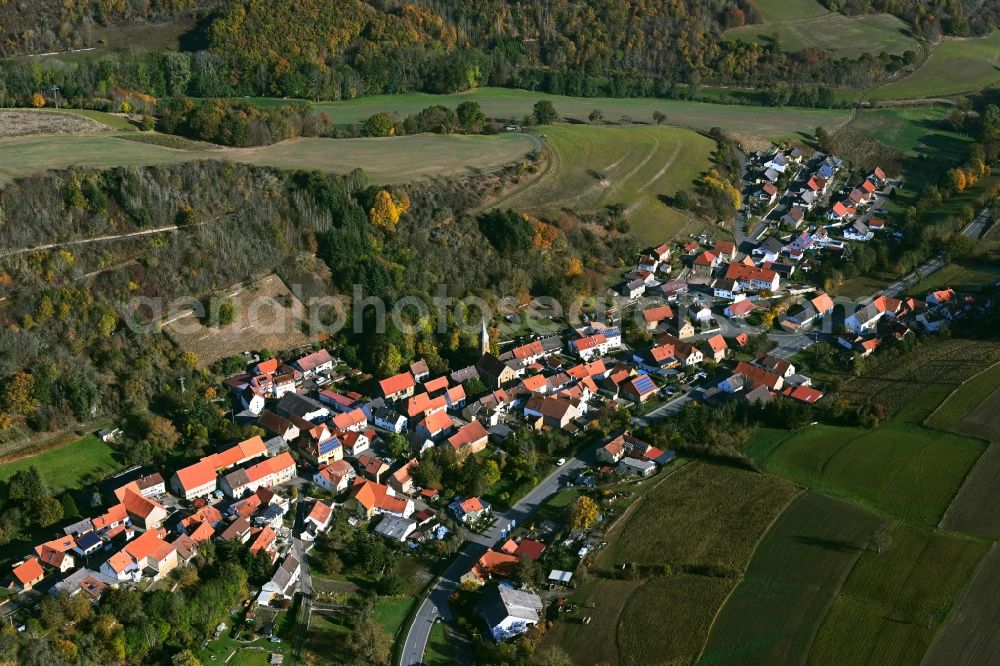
pixel 510 612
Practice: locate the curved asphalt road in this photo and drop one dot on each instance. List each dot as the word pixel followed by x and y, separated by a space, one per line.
pixel 436 602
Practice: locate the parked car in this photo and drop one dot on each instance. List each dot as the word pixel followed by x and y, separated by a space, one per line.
pixel 560 462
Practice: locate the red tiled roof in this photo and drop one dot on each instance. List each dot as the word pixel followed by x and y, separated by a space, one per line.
pixel 717 343
pixel 804 393
pixel 822 302
pixel 375 495
pixel 657 314
pixel 467 435
pixel 437 422
pixel 740 308
pixel 422 403
pixel 437 384
pixel 757 376
pixel 744 272
pixel 320 512
pixel 397 383
pixel 347 420
pixel 28 571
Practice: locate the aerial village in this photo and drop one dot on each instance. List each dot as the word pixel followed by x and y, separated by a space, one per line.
pixel 685 334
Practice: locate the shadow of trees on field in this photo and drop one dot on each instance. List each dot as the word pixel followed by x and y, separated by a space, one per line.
pixel 836 545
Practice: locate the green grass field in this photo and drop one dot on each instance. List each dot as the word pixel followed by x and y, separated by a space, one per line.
pixel 914 131
pixel 790 10
pixel 894 602
pixel 593 167
pixel 391 612
pixel 809 25
pixel 956 65
pixel 959 275
pixel 798 568
pixel 71 466
pixel 515 104
pixel 900 467
pixel 384 160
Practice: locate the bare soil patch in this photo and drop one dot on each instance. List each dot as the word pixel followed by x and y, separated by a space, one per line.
pixel 268 316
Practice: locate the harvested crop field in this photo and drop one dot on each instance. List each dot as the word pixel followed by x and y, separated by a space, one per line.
pixel 633 166
pixel 597 642
pixel 665 621
pixel 972 634
pixel 773 615
pixel 389 160
pixel 268 316
pixel 893 381
pixel 705 514
pixel 27 123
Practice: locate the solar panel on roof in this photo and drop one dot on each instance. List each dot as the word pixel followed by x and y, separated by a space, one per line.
pixel 643 383
pixel 328 445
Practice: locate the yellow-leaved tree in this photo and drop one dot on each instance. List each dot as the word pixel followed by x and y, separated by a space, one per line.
pixel 37 100
pixel 384 213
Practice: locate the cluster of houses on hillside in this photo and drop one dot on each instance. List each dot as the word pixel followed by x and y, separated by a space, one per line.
pixel 887 318
pixel 147 531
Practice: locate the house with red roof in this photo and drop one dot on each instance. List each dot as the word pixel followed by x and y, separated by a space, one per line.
pixel 201 478
pixel 768 193
pixel 716 348
pixel 726 250
pixel 842 211
pixel 657 315
pixel 28 573
pixel 56 553
pixel 335 477
pixel 369 499
pixel 148 554
pixel 746 377
pixel 802 393
pixel 354 419
pixel 435 426
pixel 470 438
pixel 320 516
pixel 422 404
pixel 398 387
pixel 491 563
pixel 263 540
pixel 315 363
pixel 740 309
pixel 705 263
pixel 527 548
pixel 470 509
pixel 402 479
pixel 753 278
pixel 940 297
pixel 372 467
pixel 265 474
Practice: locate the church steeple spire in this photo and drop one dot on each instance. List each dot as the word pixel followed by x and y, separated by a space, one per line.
pixel 484 340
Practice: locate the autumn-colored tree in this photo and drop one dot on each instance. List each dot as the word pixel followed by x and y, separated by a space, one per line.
pixel 583 513
pixel 574 267
pixel 37 100
pixel 545 235
pixel 384 212
pixel 17 395
pixel 161 433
